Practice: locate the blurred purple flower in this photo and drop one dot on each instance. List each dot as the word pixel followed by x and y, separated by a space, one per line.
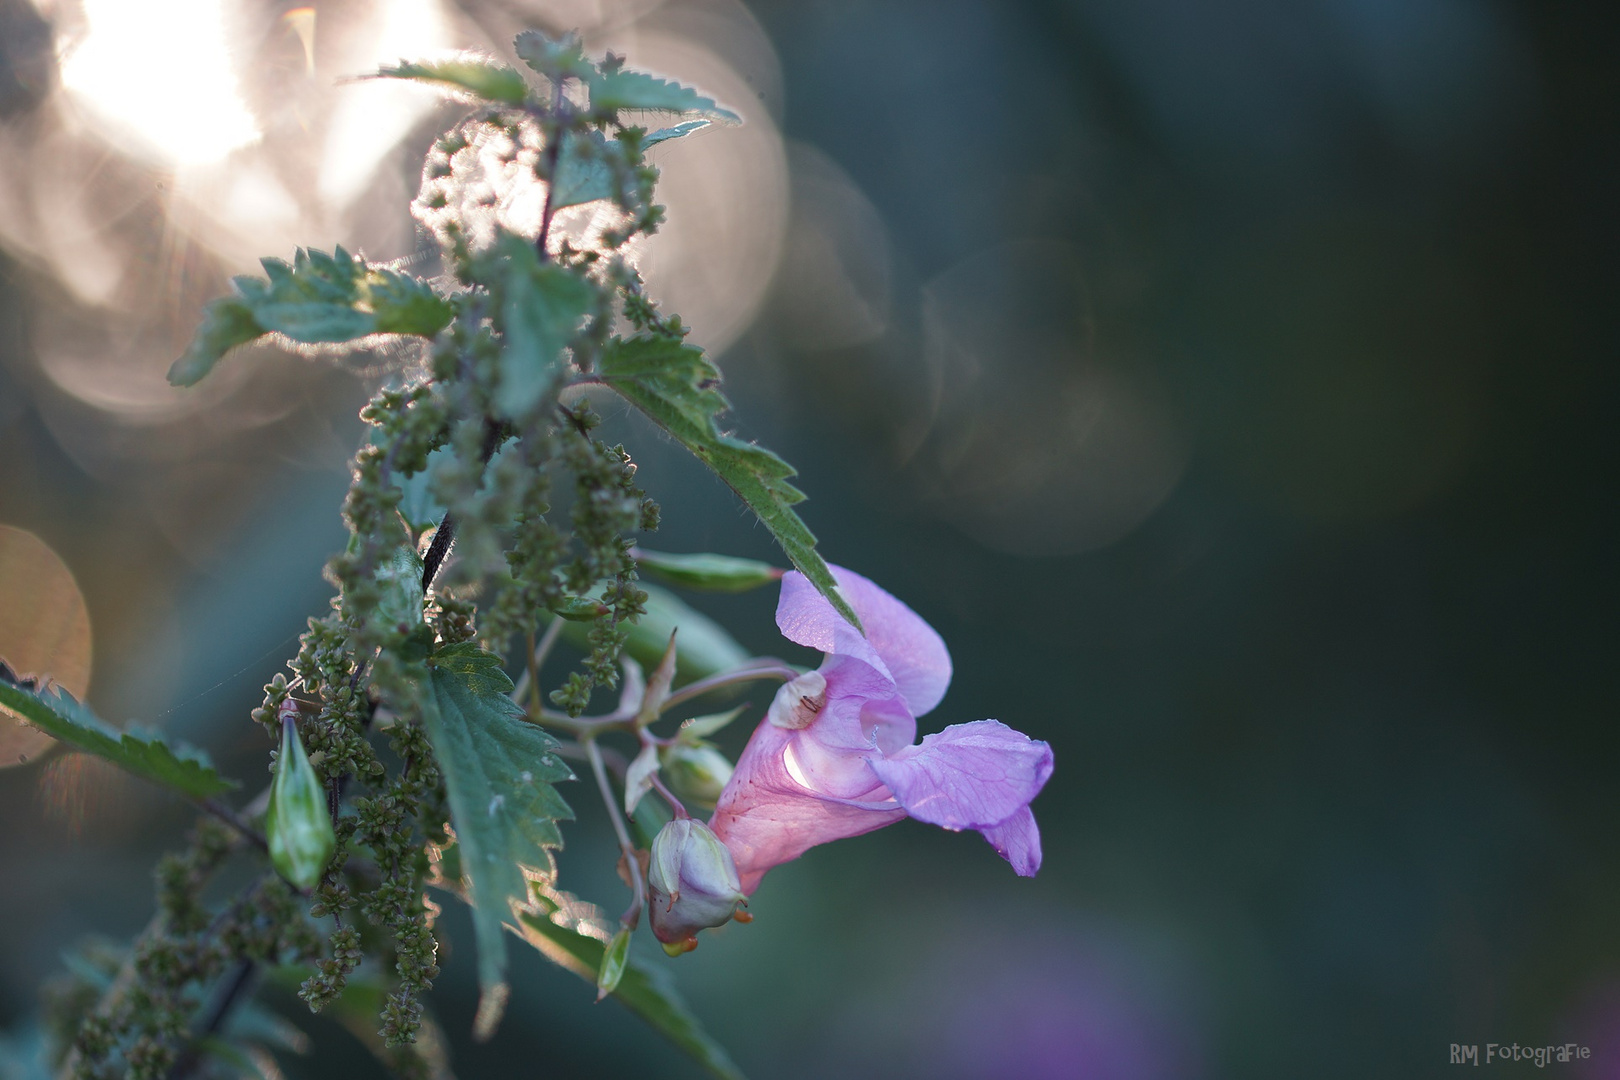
pixel 834 756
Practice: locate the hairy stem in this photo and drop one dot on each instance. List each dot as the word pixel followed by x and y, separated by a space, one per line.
pixel 632 915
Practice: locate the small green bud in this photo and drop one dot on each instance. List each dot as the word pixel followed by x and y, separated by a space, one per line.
pixel 297 823
pixel 697 772
pixel 613 961
pixel 716 573
pixel 580 608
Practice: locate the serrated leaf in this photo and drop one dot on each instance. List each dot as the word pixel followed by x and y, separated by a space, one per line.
pixel 575 935
pixel 555 58
pixel 638 90
pixel 319 299
pixel 582 174
pixel 674 131
pixel 542 306
pixel 144 753
pixel 475 75
pixel 417 504
pixel 718 573
pixel 703 647
pixel 498 772
pixel 678 388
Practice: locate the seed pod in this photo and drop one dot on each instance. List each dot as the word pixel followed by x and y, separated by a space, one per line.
pixel 297 824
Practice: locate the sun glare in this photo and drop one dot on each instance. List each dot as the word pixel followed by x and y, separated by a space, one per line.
pixel 158 74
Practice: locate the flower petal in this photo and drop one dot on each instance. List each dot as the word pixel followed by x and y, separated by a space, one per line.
pixel 1017 840
pixel 969 776
pixel 766 817
pixel 898 642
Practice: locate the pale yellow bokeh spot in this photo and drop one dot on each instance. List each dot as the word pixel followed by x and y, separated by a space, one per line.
pixel 44 631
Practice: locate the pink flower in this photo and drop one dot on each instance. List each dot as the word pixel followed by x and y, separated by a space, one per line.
pixel 834 756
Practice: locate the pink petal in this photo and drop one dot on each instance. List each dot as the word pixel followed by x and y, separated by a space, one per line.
pixel 897 642
pixel 969 776
pixel 1018 841
pixel 766 817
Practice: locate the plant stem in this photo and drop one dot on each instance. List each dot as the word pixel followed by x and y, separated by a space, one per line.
pixel 764 668
pixel 528 683
pixel 235 821
pixel 632 865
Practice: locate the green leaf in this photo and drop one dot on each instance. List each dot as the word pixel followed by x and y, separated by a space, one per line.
pixel 583 173
pixel 685 127
pixel 575 935
pixel 617 90
pixel 555 58
pixel 144 753
pixel 717 573
pixel 498 772
pixel 542 306
pixel 319 299
pixel 417 504
pixel 678 387
pixel 475 75
pixel 703 647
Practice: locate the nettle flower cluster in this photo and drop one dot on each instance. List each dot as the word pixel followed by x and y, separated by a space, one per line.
pixel 488 523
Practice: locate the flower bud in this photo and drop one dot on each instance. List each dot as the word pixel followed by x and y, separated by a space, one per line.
pixel 297 824
pixel 720 573
pixel 697 772
pixel 693 882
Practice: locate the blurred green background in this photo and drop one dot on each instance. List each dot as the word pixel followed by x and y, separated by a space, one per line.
pixel 1231 384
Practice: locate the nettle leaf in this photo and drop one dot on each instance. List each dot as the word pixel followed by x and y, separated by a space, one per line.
pixel 498 772
pixel 555 58
pixel 476 75
pixel 319 299
pixel 144 753
pixel 639 90
pixel 575 935
pixel 585 170
pixel 583 173
pixel 686 127
pixel 542 306
pixel 678 387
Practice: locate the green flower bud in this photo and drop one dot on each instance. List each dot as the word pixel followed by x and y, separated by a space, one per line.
pixel 297 823
pixel 717 573
pixel 613 961
pixel 697 772
pixel 693 882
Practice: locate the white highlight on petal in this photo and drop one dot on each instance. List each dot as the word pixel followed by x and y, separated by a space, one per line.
pixel 798 702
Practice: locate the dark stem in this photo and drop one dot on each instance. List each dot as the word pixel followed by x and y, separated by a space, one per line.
pixel 225 998
pixel 553 155
pixel 235 821
pixel 443 537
